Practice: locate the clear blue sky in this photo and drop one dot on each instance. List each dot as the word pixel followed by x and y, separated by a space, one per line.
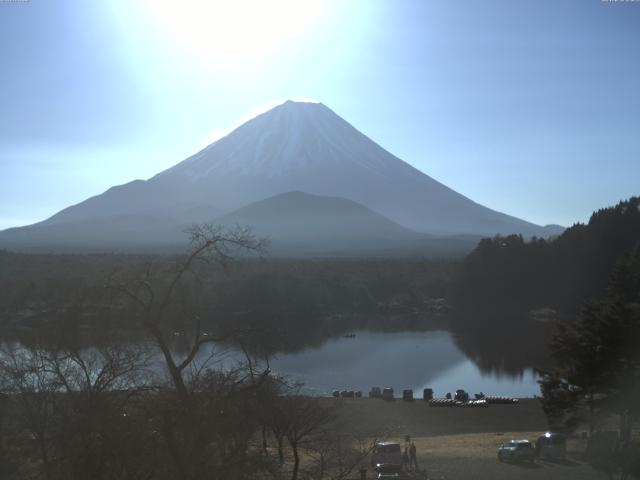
pixel 528 107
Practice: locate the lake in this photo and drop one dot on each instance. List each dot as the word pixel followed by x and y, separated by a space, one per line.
pixel 402 360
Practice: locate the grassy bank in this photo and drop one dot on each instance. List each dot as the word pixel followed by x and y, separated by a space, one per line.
pixel 462 443
pixel 374 416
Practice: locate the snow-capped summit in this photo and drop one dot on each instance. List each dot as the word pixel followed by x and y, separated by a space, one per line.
pixel 296 146
pixel 290 138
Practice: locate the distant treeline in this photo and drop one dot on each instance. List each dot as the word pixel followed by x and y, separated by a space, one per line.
pixel 509 293
pixel 505 295
pixel 511 274
pixel 293 303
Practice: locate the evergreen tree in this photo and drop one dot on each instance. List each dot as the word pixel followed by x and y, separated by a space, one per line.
pixel 597 357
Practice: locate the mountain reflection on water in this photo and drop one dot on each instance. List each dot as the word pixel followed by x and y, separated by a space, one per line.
pixel 407 359
pixel 400 360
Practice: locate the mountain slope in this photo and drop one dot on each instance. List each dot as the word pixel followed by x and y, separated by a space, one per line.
pixel 320 222
pixel 129 231
pixel 293 147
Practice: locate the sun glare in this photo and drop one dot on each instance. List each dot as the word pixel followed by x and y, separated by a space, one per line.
pixel 233 33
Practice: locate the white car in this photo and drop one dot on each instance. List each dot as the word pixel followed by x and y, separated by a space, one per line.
pixel 517 450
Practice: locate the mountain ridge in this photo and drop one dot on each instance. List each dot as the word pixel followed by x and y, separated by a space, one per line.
pixel 299 147
pixel 297 224
pixel 288 215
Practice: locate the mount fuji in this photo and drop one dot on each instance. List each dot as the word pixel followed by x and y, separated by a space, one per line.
pixel 295 147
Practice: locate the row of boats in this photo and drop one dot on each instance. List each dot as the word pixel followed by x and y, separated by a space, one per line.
pixel 460 398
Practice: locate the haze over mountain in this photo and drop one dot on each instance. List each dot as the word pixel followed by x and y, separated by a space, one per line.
pixel 296 146
pixel 304 217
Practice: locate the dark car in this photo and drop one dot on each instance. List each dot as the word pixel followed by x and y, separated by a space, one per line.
pixel 552 446
pixel 387 457
pixel 387 394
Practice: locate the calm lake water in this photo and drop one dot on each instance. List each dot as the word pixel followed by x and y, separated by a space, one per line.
pixel 415 360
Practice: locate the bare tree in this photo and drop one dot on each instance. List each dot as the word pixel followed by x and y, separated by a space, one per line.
pixel 311 425
pixel 199 417
pixel 65 405
pixel 335 455
pixel 155 294
pixel 32 392
pixel 306 417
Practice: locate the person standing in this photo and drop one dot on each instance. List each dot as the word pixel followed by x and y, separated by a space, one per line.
pixel 405 459
pixel 413 460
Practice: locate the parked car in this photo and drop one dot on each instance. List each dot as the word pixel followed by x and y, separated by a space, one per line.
pixel 552 445
pixel 387 457
pixel 387 394
pixel 461 396
pixel 427 394
pixel 517 450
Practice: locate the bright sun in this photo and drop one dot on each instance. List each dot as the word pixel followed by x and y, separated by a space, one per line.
pixel 233 32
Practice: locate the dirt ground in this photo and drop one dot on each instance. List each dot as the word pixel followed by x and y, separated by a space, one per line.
pixel 473 456
pixel 461 443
